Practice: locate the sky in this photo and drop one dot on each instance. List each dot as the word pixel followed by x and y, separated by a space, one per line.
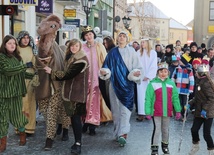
pixel 180 10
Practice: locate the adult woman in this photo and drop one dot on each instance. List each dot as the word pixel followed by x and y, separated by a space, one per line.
pixel 148 58
pixel 12 88
pixel 96 109
pixel 74 92
pixel 108 42
pixel 28 50
pixel 123 67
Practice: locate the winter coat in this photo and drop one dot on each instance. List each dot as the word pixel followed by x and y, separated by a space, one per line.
pixel 161 97
pixel 204 98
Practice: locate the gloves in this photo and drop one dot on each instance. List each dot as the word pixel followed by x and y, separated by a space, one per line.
pixel 187 107
pixel 178 115
pixel 29 64
pixel 203 114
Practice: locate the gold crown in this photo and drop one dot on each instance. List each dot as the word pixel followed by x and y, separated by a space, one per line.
pixel 86 28
pixel 186 57
pixel 163 65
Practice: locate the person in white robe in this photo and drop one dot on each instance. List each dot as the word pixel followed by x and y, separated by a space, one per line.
pixel 148 58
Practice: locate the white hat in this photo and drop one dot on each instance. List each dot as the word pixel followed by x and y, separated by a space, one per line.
pixel 163 65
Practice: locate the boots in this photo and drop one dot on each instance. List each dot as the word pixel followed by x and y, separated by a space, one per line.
pixel 194 149
pixel 165 148
pixel 211 152
pixel 48 144
pixel 154 149
pixel 76 148
pixel 59 129
pixel 22 136
pixel 3 143
pixel 65 135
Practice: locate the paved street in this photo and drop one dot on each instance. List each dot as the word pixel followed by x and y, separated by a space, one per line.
pixel 138 142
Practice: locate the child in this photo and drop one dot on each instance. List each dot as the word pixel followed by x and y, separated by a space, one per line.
pixel 184 80
pixel 204 109
pixel 161 97
pixel 175 63
pixel 74 91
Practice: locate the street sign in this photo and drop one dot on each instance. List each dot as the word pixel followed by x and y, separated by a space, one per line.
pixel 68 27
pixel 8 9
pixel 69 12
pixel 73 22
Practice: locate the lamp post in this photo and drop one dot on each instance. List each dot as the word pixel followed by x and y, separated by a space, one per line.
pixel 126 23
pixel 87 4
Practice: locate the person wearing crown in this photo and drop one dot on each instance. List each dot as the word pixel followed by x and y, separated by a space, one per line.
pixel 123 67
pixel 161 98
pixel 97 111
pixel 184 80
pixel 204 109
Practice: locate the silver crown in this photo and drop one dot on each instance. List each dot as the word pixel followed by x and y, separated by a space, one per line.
pixel 203 68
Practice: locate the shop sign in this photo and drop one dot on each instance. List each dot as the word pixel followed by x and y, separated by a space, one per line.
pixel 24 2
pixel 45 6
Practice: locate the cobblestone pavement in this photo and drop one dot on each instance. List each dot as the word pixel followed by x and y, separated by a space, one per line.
pixel 138 142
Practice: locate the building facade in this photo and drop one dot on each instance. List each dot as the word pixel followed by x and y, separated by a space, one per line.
pixel 204 22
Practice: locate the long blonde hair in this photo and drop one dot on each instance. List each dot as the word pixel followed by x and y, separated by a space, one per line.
pixel 148 48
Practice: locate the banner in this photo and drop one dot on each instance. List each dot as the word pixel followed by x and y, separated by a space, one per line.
pixel 24 2
pixel 45 6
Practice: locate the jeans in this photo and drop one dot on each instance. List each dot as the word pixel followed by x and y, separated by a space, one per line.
pixel 207 124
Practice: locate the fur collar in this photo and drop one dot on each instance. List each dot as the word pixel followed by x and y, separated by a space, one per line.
pixel 79 55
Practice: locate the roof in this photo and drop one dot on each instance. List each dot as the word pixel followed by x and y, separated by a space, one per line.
pixel 175 24
pixel 149 9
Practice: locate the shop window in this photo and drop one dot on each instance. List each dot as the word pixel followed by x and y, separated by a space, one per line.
pixel 17 23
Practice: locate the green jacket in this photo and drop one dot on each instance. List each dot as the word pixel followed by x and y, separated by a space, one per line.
pixel 161 98
pixel 12 77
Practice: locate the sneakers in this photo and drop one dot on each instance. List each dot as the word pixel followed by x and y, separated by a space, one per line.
pixel 165 148
pixel 76 148
pixel 194 149
pixel 154 149
pixel 122 141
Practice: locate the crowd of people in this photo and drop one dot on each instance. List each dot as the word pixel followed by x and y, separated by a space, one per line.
pixel 105 82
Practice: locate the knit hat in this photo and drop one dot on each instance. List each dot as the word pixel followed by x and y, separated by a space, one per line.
pixel 205 61
pixel 193 44
pixel 185 58
pixel 202 68
pixel 196 61
pixel 175 58
pixel 203 45
pixel 163 65
pixel 170 46
pixel 124 32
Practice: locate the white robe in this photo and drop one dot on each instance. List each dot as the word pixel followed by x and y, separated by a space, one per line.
pixel 121 114
pixel 150 70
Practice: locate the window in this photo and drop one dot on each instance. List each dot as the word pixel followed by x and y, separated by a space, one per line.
pixel 212 10
pixel 17 23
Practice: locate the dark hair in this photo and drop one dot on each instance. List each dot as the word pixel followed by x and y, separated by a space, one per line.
pixel 157 45
pixel 84 33
pixel 110 43
pixel 3 50
pixel 136 42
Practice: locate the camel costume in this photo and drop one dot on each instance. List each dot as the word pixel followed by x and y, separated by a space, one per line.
pixel 48 93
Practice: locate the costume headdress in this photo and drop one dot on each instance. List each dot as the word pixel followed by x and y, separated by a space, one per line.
pixel 31 42
pixel 185 58
pixel 196 61
pixel 163 65
pixel 86 28
pixel 202 68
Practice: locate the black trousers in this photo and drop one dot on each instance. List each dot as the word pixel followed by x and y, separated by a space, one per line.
pixel 207 124
pixel 183 101
pixel 77 127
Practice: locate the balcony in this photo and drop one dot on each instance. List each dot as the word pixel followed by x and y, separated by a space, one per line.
pixel 68 2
